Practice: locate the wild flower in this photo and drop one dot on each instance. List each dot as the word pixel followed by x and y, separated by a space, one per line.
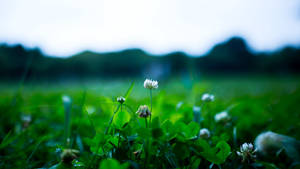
pixel 143 111
pixel 269 143
pixel 204 133
pixel 222 117
pixel 150 84
pixel 247 152
pixel 68 155
pixel 197 114
pixel 207 97
pixel 121 100
pixel 196 109
pixel 26 118
pixel 66 99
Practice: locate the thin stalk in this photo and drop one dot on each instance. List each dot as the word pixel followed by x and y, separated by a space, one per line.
pixel 151 100
pixel 146 122
pixel 150 105
pixel 119 138
pixel 111 119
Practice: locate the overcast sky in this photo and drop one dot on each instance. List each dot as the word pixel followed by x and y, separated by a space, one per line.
pixel 65 27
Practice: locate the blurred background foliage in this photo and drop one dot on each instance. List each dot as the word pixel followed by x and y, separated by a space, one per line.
pixel 233 57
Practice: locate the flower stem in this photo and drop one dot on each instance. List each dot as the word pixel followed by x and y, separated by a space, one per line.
pixel 111 119
pixel 119 131
pixel 150 105
pixel 146 122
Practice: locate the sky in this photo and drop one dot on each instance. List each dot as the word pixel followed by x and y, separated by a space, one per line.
pixel 65 27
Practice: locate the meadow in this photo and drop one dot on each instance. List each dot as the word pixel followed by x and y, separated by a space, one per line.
pixel 84 125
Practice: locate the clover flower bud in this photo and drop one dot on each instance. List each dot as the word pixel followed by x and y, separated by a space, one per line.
pixel 222 117
pixel 26 119
pixel 66 99
pixel 204 133
pixel 150 84
pixel 269 143
pixel 247 152
pixel 121 100
pixel 196 109
pixel 143 111
pixel 207 97
pixel 68 155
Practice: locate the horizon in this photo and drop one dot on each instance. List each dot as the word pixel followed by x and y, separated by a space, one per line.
pixel 253 51
pixel 158 28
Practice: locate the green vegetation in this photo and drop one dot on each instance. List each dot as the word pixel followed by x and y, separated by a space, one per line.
pixel 230 57
pixel 83 126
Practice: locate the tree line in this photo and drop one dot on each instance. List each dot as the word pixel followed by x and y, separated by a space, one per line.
pixel 230 57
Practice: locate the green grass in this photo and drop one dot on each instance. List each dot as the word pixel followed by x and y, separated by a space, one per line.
pixel 255 105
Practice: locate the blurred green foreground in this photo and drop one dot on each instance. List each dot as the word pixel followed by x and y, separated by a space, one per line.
pixel 255 104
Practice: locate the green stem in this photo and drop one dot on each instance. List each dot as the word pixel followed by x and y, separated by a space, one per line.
pixel 146 122
pixel 150 105
pixel 119 140
pixel 111 119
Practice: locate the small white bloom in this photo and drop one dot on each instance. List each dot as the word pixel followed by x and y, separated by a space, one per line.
pixel 222 117
pixel 204 133
pixel 121 99
pixel 150 84
pixel 143 111
pixel 196 109
pixel 66 99
pixel 208 97
pixel 26 118
pixel 247 152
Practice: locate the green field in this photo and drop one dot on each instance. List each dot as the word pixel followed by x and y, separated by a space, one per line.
pixel 170 140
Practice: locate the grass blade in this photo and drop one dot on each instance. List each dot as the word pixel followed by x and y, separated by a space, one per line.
pixel 129 90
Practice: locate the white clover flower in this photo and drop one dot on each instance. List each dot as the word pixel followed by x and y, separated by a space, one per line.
pixel 150 84
pixel 208 97
pixel 269 143
pixel 121 99
pixel 196 109
pixel 204 133
pixel 222 117
pixel 26 118
pixel 66 99
pixel 247 152
pixel 143 111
